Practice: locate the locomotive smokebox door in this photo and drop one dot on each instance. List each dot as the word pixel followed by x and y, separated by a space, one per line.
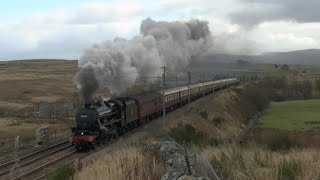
pixel 42 135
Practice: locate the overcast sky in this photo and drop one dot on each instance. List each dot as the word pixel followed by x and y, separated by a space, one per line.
pixel 64 28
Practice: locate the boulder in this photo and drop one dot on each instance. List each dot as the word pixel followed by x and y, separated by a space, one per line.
pixel 179 162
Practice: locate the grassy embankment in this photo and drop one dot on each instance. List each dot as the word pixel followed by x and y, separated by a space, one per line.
pixel 122 164
pixel 279 158
pixel 215 130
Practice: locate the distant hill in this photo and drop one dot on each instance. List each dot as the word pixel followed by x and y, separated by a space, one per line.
pixel 303 57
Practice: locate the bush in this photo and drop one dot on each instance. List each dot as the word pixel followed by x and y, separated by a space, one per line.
pixel 280 83
pixel 280 96
pixel 187 134
pixel 204 114
pixel 281 143
pixel 307 89
pixel 289 169
pixel 217 120
pixel 318 84
pixel 258 95
pixel 300 89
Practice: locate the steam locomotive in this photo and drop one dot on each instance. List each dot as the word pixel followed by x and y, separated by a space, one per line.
pixel 97 123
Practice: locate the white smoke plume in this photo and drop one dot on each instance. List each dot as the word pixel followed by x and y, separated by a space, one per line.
pixel 115 65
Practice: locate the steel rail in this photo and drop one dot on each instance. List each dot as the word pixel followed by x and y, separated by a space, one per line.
pixel 30 154
pixel 35 159
pixel 44 165
pixel 50 172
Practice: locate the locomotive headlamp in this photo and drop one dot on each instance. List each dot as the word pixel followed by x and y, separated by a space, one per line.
pixel 82 133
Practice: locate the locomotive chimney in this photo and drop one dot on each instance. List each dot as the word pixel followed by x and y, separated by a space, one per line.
pixel 87 105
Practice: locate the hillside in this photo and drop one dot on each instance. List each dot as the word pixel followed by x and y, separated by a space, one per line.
pixel 302 57
pixel 26 83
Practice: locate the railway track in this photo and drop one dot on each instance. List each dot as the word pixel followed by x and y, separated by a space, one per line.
pixel 44 176
pixel 32 174
pixel 27 152
pixel 24 165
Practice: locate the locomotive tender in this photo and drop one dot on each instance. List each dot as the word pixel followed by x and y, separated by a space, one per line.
pixel 99 122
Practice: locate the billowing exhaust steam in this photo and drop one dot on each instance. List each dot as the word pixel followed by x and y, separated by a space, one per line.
pixel 115 65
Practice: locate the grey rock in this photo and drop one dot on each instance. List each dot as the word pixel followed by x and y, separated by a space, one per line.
pixel 175 157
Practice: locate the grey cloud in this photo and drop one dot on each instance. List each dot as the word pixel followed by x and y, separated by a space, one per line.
pixel 66 43
pixel 258 11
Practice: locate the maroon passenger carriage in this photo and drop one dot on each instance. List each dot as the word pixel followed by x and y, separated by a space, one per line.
pixel 149 105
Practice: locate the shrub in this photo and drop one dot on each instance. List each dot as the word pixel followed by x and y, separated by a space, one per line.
pixel 281 143
pixel 258 96
pixel 280 83
pixel 217 120
pixel 187 134
pixel 300 89
pixel 280 96
pixel 307 89
pixel 318 84
pixel 289 169
pixel 204 114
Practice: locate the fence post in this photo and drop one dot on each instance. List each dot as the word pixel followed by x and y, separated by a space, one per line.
pixel 187 161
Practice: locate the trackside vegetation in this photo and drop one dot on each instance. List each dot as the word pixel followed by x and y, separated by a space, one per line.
pixel 216 129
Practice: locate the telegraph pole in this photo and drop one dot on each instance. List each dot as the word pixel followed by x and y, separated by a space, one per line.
pixel 163 96
pixel 176 81
pixel 213 82
pixel 189 79
pixel 145 81
pixel 203 84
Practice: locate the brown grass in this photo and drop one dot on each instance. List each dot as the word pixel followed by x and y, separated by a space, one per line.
pixel 122 164
pixel 253 162
pixel 10 127
pixel 25 83
pixel 223 120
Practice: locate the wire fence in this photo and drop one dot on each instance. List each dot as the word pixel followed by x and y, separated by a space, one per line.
pixel 7 145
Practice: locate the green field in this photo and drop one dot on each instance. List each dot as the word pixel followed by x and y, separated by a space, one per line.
pixel 292 115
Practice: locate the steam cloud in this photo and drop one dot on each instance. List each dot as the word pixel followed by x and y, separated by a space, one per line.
pixel 115 65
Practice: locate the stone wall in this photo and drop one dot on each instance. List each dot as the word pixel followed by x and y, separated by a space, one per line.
pixel 59 109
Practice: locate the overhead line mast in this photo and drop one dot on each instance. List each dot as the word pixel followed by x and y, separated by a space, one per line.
pixel 163 96
pixel 189 81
